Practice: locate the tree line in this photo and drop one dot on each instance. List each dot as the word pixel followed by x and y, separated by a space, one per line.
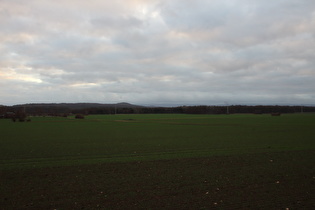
pixel 48 110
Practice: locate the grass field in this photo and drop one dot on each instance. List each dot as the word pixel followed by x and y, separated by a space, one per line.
pixel 158 161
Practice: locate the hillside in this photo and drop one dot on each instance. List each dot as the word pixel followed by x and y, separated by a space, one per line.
pixel 59 108
pixel 74 106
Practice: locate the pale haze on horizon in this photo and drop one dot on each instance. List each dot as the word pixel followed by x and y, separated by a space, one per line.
pixel 154 52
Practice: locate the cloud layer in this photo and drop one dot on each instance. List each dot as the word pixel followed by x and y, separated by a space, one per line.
pixel 158 52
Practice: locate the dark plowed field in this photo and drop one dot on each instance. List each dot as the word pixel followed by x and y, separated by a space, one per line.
pixel 282 180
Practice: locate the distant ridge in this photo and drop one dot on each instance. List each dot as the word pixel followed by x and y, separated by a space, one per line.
pixel 74 106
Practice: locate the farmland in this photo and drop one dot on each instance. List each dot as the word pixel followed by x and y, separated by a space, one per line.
pixel 158 161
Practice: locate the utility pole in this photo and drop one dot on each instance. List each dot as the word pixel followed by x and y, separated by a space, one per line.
pixel 227 108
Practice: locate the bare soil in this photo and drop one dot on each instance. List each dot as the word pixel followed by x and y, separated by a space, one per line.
pixel 282 180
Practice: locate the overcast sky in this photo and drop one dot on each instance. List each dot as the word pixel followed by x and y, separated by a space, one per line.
pixel 157 52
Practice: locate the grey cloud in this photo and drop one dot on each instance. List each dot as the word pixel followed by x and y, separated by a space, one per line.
pixel 117 23
pixel 239 24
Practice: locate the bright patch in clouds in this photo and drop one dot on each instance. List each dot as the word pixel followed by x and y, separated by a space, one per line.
pixel 158 52
pixel 83 85
pixel 13 74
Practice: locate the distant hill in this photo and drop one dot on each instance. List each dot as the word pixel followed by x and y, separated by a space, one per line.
pixel 59 108
pixel 75 106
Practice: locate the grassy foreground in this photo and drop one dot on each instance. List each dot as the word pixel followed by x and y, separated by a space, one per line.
pixel 159 162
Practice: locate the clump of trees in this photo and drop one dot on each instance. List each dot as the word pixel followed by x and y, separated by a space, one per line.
pixel 79 116
pixel 20 116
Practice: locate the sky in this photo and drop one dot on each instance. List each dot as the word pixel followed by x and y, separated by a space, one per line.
pixel 157 52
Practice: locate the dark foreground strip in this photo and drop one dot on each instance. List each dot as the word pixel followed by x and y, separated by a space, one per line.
pixel 275 180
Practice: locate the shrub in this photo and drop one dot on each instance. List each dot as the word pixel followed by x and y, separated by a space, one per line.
pixel 79 116
pixel 275 114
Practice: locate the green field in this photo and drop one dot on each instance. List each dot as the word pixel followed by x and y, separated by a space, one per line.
pixel 158 161
pixel 111 138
